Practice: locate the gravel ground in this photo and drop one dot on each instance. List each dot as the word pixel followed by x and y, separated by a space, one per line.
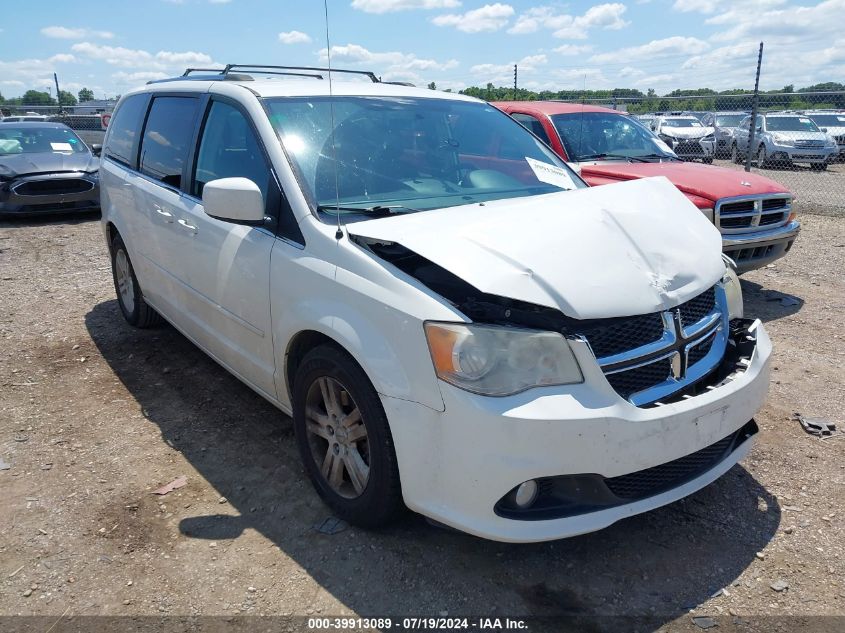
pixel 95 415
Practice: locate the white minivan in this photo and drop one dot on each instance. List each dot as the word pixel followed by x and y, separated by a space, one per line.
pixel 456 323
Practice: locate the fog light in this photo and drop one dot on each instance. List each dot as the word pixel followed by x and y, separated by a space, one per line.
pixel 526 494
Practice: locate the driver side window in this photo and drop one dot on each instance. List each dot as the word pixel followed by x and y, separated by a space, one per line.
pixel 229 149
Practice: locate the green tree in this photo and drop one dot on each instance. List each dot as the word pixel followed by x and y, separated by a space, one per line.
pixel 86 95
pixel 35 97
pixel 432 86
pixel 67 98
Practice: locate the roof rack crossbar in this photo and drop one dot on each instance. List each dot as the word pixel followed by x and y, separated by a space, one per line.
pixel 223 71
pixel 258 67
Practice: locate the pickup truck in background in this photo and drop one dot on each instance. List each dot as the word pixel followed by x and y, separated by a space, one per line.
pixel 755 215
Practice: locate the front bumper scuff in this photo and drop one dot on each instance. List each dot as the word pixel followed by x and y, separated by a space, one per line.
pixel 456 465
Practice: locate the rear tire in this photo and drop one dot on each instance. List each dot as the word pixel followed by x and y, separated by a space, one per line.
pixel 130 298
pixel 344 439
pixel 708 160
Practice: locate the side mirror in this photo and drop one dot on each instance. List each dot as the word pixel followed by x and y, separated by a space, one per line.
pixel 96 149
pixel 233 200
pixel 823 129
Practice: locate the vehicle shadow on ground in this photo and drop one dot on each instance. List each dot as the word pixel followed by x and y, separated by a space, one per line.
pixel 656 566
pixel 768 304
pixel 48 219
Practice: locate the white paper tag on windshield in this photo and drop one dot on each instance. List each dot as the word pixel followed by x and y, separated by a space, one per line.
pixel 61 147
pixel 551 174
pixel 661 145
pixel 803 119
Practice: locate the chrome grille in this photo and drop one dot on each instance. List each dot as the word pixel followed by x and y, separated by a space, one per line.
pixel 648 357
pixel 744 214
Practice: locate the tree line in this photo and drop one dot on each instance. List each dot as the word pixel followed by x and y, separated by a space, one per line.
pixel 38 98
pixel 700 98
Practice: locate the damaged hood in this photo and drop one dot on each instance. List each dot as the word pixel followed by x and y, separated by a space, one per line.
pixel 47 162
pixel 618 250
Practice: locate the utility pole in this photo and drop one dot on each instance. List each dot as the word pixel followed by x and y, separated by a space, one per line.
pixel 753 130
pixel 514 81
pixel 58 93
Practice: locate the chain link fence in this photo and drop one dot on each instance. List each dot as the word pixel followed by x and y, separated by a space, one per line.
pixel 798 139
pixel 88 121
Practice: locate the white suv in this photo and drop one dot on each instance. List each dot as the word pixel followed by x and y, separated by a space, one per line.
pixel 456 323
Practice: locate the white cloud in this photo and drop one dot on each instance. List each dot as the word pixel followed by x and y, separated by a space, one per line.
pixel 138 78
pixel 571 50
pixel 811 22
pixel 490 17
pixel 62 58
pixel 392 65
pixel 699 6
pixel 669 46
pixel 294 37
pixel 503 73
pixel 66 33
pixel 219 1
pixel 390 6
pixel 565 26
pixel 136 58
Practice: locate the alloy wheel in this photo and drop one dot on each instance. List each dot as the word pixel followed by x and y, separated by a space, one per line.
pixel 337 437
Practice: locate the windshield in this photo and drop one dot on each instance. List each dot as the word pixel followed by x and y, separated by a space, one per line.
pixel 729 120
pixel 595 134
pixel 34 140
pixel 691 122
pixel 412 154
pixel 791 124
pixel 829 120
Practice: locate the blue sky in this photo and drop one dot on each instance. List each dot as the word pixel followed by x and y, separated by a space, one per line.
pixel 661 44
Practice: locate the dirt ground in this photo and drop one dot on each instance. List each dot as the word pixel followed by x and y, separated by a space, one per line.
pixel 95 415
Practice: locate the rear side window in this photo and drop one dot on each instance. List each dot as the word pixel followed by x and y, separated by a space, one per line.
pixel 533 124
pixel 125 129
pixel 167 138
pixel 228 149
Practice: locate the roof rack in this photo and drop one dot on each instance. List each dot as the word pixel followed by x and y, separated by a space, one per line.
pixel 226 73
pixel 244 77
pixel 259 68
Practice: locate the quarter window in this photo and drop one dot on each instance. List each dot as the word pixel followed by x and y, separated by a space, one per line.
pixel 167 137
pixel 229 149
pixel 124 130
pixel 534 125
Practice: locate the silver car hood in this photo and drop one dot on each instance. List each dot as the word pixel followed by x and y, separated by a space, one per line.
pixel 686 132
pixel 48 162
pixel 630 248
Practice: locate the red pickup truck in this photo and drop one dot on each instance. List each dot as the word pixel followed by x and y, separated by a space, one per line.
pixel 754 214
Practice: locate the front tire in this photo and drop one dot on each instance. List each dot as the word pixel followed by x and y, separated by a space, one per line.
pixel 818 166
pixel 708 160
pixel 135 310
pixel 762 158
pixel 344 439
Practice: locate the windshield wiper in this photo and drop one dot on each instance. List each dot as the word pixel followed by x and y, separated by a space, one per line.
pixel 637 159
pixel 379 210
pixel 660 156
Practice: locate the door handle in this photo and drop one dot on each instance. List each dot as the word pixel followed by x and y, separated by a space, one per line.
pixel 187 225
pixel 166 214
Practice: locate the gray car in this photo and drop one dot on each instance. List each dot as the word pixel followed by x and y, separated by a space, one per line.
pixel 832 122
pixel 724 125
pixel 784 138
pixel 46 168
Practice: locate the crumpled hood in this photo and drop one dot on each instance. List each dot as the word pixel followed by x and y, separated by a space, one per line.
pixel 623 249
pixel 686 132
pixel 46 162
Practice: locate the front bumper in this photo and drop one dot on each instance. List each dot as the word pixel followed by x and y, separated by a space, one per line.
pixel 46 193
pixel 802 154
pixel 757 249
pixel 456 465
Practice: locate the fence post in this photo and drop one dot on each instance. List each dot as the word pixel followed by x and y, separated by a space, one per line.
pixel 753 130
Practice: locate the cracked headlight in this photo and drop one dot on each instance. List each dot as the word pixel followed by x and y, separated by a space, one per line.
pixel 500 361
pixel 733 291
